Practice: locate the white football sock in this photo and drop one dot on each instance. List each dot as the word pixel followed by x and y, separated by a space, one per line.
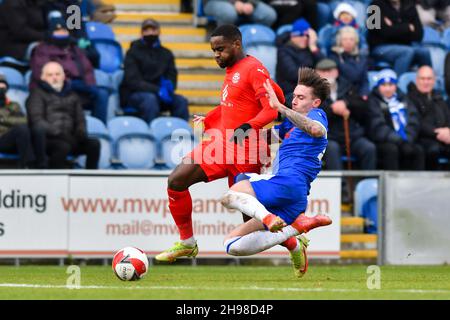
pixel 245 203
pixel 257 241
pixel 190 242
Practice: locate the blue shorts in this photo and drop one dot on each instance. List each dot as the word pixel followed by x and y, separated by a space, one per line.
pixel 284 196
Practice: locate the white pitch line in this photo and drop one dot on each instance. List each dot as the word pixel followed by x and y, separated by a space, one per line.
pixel 39 286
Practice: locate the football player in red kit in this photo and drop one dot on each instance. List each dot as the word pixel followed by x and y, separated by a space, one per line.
pixel 244 110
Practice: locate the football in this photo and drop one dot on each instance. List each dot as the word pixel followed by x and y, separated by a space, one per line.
pixel 130 264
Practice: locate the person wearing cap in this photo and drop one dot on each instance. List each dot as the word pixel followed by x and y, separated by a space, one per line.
pixel 15 135
pixel 394 125
pixel 150 77
pixel 240 11
pixel 300 51
pixel 60 47
pixel 393 41
pixel 345 103
pixel 434 133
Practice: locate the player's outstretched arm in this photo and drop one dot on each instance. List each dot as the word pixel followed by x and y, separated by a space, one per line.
pixel 306 124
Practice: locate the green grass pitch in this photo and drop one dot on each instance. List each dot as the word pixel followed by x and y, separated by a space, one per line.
pixel 227 282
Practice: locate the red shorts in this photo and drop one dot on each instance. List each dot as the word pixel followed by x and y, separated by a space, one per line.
pixel 215 167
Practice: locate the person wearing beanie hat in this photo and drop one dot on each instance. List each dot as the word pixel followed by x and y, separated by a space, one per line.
pixel 345 104
pixel 394 125
pixel 300 51
pixel 345 15
pixel 15 135
pixel 60 47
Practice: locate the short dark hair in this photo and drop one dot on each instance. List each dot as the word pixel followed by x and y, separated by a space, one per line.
pixel 228 32
pixel 310 78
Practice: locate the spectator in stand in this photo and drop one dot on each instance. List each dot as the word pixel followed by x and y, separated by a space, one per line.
pixel 290 10
pixel 240 11
pixel 22 24
pixel 345 104
pixel 300 51
pixel 150 77
pixel 57 121
pixel 393 42
pixel 434 133
pixel 434 13
pixel 60 48
pixel 394 125
pixel 15 136
pixel 351 63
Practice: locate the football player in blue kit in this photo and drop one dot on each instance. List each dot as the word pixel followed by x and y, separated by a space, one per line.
pixel 277 202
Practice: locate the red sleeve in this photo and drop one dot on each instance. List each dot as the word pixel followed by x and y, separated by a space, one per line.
pixel 258 77
pixel 212 118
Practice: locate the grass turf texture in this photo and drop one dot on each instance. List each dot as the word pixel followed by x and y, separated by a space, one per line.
pixel 227 282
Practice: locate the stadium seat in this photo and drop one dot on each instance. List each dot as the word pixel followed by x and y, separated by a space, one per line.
pixel 103 79
pixel 15 78
pixel 96 128
pixel 408 77
pixel 446 38
pixel 19 96
pixel 14 62
pixel 133 145
pixel 431 36
pixel 326 38
pixel 324 14
pixel 99 31
pixel 162 127
pixel 259 41
pixel 366 197
pixel 284 28
pixel 116 79
pixel 111 55
pixel 371 76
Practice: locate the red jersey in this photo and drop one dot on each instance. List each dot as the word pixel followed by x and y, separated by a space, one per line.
pixel 240 102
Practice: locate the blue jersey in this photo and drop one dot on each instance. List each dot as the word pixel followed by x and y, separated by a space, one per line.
pixel 300 153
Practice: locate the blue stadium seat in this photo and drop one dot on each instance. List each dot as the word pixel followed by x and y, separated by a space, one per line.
pixel 19 96
pixel 259 41
pixel 111 55
pixel 133 145
pixel 96 128
pixel 162 127
pixel 431 36
pixel 13 61
pixel 102 79
pixel 446 38
pixel 257 34
pixel 408 77
pixel 284 28
pixel 326 38
pixel 15 78
pixel 98 30
pixel 324 14
pixel 116 79
pixel 371 76
pixel 366 197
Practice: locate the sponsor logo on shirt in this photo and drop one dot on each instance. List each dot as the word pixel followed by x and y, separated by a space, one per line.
pixel 236 78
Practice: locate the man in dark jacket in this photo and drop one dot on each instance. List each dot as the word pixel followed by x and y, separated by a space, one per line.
pixel 22 22
pixel 400 28
pixel 151 77
pixel 345 104
pixel 57 120
pixel 300 51
pixel 15 135
pixel 60 48
pixel 434 133
pixel 394 125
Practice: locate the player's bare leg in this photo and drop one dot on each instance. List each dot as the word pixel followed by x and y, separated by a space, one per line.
pixel 242 197
pixel 180 204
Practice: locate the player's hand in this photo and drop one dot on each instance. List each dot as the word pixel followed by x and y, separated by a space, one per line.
pixel 241 133
pixel 198 119
pixel 273 99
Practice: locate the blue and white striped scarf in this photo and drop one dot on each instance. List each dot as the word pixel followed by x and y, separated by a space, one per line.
pixel 399 115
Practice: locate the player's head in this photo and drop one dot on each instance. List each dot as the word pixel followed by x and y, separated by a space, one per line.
pixel 310 91
pixel 226 43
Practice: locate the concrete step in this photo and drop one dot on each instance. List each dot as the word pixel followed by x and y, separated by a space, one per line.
pixel 358 241
pixel 359 254
pixel 183 50
pixel 201 97
pixel 200 109
pixel 352 225
pixel 146 5
pixel 200 81
pixel 135 18
pixel 168 34
pixel 198 66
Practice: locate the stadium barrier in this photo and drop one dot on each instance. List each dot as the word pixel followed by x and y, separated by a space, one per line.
pixel 92 214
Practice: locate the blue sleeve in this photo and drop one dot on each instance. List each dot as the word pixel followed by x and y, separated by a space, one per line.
pixel 320 116
pixel 284 127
